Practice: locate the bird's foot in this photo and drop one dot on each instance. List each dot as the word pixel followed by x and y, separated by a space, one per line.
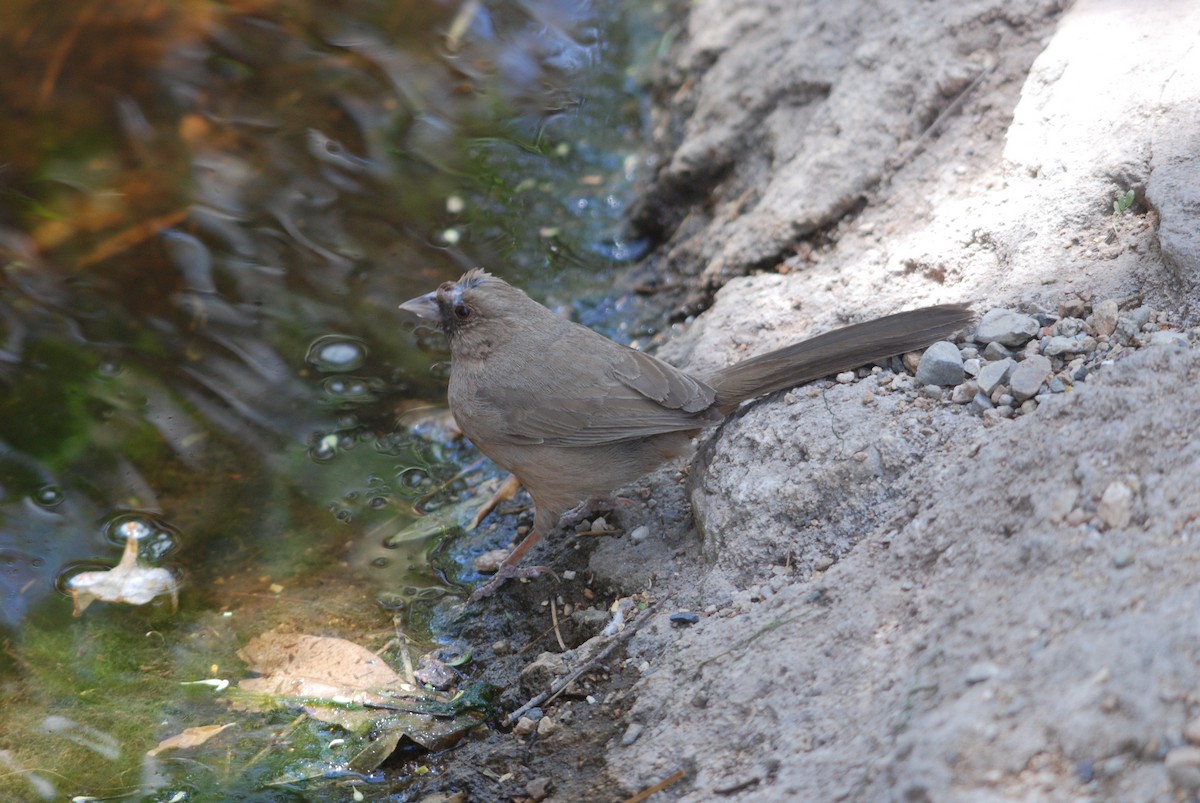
pixel 585 510
pixel 505 574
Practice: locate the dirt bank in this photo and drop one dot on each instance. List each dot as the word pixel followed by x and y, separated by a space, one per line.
pixel 905 593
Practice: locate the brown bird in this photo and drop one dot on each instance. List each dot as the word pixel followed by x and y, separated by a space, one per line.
pixel 575 415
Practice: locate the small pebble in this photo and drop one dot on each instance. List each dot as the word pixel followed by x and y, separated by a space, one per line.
pixel 1116 505
pixel 1122 558
pixel 993 374
pixel 639 534
pixel 632 733
pixel 996 351
pixel 1072 308
pixel 962 394
pixel 1005 327
pixel 1028 376
pixel 981 403
pixel 980 672
pixel 600 523
pixel 684 618
pixel 538 789
pixel 1068 327
pixel 1058 345
pixel 941 364
pixel 489 562
pixel 845 377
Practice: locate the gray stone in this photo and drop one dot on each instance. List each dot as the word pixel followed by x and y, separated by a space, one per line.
pixel 1028 376
pixel 993 374
pixel 941 364
pixel 1005 327
pixel 981 403
pixel 996 351
pixel 1059 345
pixel 1140 317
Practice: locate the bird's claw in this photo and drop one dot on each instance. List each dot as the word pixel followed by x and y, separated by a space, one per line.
pixel 505 574
pixel 589 508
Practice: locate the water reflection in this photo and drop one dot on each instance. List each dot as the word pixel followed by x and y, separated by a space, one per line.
pixel 208 213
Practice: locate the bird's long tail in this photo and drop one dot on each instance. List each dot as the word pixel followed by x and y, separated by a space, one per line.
pixel 836 351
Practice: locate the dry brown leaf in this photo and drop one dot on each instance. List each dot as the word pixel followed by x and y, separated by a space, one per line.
pixel 325 673
pixel 190 737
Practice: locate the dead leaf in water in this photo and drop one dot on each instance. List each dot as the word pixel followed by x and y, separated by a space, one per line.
pixel 191 737
pixel 339 682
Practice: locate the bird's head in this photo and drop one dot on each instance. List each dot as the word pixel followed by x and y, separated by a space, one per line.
pixel 477 312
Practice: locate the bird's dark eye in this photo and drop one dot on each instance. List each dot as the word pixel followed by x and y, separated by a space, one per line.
pixel 462 311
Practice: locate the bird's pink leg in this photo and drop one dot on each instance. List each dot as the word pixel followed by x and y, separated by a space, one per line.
pixel 509 568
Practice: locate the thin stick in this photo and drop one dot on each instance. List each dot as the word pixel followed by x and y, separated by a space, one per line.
pixel 675 777
pixel 557 686
pixel 554 619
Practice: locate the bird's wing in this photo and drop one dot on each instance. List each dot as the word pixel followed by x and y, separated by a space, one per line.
pixel 627 394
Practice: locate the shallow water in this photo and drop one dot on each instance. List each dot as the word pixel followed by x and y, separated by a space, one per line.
pixel 208 214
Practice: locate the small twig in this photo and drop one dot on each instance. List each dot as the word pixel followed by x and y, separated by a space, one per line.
pixel 950 109
pixel 673 778
pixel 406 658
pixel 133 236
pixel 554 618
pixel 558 685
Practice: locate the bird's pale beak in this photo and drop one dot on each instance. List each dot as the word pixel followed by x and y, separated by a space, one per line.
pixel 425 306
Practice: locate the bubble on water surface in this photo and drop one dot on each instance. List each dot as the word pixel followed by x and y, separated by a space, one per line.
pixel 156 539
pixel 331 353
pixel 48 496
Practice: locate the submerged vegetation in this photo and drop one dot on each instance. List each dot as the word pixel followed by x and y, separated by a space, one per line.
pixel 208 213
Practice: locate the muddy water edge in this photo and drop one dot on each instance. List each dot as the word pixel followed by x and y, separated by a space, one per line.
pixel 208 214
